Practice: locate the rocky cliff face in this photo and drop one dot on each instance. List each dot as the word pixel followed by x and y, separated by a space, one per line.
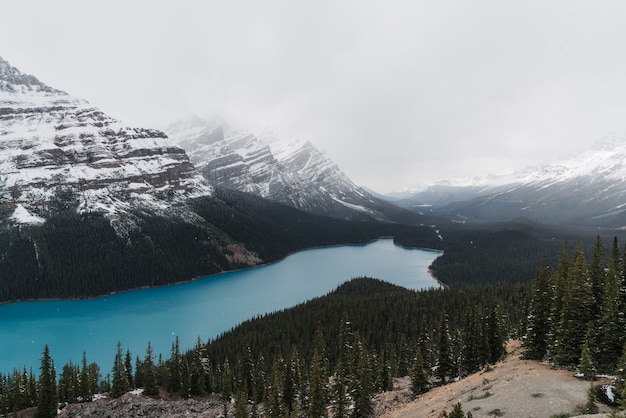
pixel 294 173
pixel 56 150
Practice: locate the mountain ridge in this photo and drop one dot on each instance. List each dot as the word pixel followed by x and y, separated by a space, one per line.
pixel 295 173
pixel 59 150
pixel 588 189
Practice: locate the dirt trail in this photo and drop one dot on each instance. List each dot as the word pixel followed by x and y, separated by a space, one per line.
pixel 513 388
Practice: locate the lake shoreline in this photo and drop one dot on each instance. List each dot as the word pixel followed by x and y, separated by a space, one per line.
pixel 193 279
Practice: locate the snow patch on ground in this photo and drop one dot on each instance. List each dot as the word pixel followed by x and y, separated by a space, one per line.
pixel 23 216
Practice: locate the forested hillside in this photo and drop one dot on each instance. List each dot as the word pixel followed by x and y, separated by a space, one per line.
pixel 339 349
pixel 81 255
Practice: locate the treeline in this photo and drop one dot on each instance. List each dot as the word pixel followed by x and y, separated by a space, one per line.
pixel 576 316
pixel 335 350
pixel 82 255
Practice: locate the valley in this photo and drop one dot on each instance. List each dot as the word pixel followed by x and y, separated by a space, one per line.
pixel 92 209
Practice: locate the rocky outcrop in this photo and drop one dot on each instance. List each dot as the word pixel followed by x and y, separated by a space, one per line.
pixel 131 405
pixel 56 149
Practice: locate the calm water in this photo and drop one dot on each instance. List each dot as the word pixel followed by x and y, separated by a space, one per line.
pixel 202 308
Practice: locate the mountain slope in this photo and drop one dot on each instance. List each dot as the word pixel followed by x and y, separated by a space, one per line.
pixel 58 151
pixel 294 173
pixel 587 190
pixel 90 206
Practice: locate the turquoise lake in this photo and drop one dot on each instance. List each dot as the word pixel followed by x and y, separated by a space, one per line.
pixel 204 308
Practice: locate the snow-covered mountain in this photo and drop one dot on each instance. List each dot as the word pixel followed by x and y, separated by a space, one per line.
pixel 57 150
pixel 587 189
pixel 295 173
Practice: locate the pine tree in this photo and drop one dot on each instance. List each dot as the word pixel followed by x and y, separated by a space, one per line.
pixel 120 384
pixel 444 360
pixel 559 286
pixel 591 407
pixel 174 367
pixel 198 375
pixel 361 383
pixel 457 412
pixel 535 341
pixel 495 337
pixel 128 366
pixel 585 365
pixel 68 383
pixel 226 385
pixel 419 377
pixel 149 376
pixel 241 404
pixel 47 400
pixel 610 330
pixel 85 390
pixel 597 272
pixel 318 392
pixel 274 403
pixel 576 313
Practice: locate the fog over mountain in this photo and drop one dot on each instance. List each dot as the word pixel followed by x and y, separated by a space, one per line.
pixel 396 93
pixel 586 189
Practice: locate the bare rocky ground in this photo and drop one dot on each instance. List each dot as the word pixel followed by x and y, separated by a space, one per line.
pixel 514 388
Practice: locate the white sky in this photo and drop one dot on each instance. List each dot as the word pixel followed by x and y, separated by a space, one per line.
pixel 398 93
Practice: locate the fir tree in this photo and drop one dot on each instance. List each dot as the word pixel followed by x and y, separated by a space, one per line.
pixel 591 407
pixel 495 337
pixel 318 392
pixel 174 367
pixel 226 385
pixel 457 412
pixel 585 365
pixel 241 404
pixel 85 389
pixel 128 366
pixel 149 373
pixel 444 360
pixel 68 383
pixel 576 312
pixel 47 400
pixel 535 341
pixel 198 375
pixel 419 377
pixel 610 330
pixel 120 384
pixel 361 383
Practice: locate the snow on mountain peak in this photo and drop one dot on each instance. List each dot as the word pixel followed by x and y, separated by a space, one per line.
pixel 54 147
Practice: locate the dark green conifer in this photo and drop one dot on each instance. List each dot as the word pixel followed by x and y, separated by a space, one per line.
pixel 591 407
pixel 120 384
pixel 535 342
pixel 198 374
pixel 419 377
pixel 444 359
pixel 149 373
pixel 585 365
pixel 576 312
pixel 174 365
pixel 318 376
pixel 85 391
pixel 361 388
pixel 47 389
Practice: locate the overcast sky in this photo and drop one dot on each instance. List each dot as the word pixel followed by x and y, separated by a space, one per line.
pixel 397 93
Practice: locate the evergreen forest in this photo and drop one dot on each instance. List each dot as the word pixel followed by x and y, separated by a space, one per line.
pixel 333 353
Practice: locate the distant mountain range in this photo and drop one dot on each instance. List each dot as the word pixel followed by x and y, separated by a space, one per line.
pixel 295 173
pixel 587 190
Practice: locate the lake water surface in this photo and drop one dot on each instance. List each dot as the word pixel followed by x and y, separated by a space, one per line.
pixel 203 308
